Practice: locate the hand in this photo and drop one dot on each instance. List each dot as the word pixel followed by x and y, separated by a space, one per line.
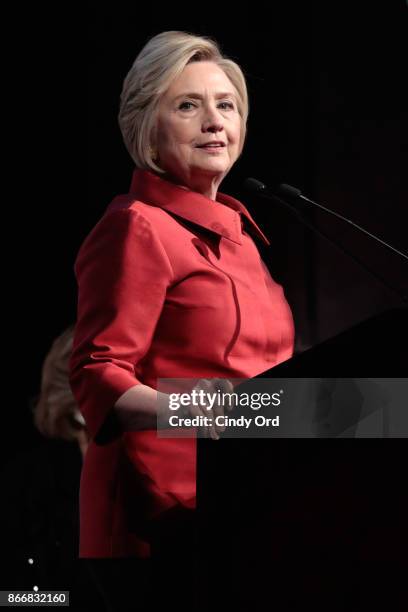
pixel 212 389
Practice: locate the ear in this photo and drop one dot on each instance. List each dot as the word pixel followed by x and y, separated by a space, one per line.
pixel 153 152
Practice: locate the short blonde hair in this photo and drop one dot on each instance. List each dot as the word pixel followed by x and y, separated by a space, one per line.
pixel 56 413
pixel 158 64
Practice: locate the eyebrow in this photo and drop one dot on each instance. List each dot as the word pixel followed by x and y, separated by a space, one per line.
pixel 197 96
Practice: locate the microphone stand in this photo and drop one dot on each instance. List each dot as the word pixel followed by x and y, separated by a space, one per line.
pixel 293 192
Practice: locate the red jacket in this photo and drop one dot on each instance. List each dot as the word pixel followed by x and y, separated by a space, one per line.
pixel 171 285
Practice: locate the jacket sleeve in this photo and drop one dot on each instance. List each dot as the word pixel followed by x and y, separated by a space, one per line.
pixel 123 273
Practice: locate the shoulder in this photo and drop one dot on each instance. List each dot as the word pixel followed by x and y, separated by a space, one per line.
pixel 126 218
pixel 138 218
pixel 128 229
pixel 136 209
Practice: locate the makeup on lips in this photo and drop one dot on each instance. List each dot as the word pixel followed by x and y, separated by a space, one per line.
pixel 213 147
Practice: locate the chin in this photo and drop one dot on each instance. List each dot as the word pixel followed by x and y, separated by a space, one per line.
pixel 219 168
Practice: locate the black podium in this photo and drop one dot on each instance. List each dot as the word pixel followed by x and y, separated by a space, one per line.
pixel 286 524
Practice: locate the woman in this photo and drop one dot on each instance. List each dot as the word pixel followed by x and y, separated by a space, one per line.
pixel 56 413
pixel 171 285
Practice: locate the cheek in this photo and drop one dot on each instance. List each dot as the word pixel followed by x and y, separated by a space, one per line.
pixel 174 150
pixel 237 137
pixel 177 140
pixel 167 134
pixel 236 133
pixel 242 137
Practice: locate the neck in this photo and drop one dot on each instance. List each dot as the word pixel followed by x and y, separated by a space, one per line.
pixel 206 186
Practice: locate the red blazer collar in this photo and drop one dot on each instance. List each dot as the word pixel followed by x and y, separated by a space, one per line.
pixel 223 220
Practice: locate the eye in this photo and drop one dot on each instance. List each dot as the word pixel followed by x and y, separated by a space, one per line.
pixel 227 105
pixel 186 106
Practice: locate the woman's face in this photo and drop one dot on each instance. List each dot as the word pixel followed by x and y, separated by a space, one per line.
pixel 199 108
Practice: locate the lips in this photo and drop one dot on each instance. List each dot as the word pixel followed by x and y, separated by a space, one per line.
pixel 211 144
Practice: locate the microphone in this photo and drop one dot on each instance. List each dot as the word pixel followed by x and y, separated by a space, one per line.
pixel 283 190
pixel 288 191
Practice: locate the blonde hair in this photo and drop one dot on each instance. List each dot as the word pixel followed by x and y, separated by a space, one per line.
pixel 56 413
pixel 158 64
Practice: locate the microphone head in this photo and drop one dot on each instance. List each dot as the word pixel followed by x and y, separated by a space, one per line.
pixel 282 189
pixel 252 184
pixel 288 191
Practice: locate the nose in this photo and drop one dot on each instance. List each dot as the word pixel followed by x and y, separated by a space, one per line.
pixel 212 121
